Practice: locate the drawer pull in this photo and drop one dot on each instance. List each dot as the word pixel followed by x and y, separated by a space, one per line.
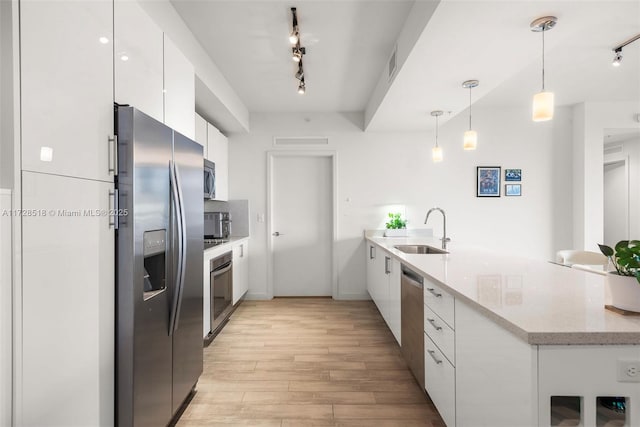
pixel 433 323
pixel 433 292
pixel 432 354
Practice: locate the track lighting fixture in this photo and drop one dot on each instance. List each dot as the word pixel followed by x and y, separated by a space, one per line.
pixel 470 136
pixel 436 152
pixel 297 51
pixel 617 51
pixel 543 101
pixel 617 58
pixel 295 33
pixel 300 72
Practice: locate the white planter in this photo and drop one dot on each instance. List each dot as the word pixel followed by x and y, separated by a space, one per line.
pixel 625 292
pixel 395 232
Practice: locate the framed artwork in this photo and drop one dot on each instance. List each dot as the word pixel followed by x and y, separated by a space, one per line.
pixel 488 181
pixel 513 190
pixel 513 174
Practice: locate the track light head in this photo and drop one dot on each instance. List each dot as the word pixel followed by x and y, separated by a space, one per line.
pixel 294 38
pixel 297 53
pixel 302 88
pixel 300 72
pixel 617 57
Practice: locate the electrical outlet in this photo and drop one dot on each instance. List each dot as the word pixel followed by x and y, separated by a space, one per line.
pixel 629 371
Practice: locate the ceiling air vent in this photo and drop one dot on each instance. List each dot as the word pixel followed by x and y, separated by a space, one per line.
pixel 393 62
pixel 612 149
pixel 290 141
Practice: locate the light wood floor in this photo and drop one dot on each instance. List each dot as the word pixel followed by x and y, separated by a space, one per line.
pixel 307 362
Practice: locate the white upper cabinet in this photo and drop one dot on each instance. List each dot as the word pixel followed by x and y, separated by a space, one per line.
pixel 218 150
pixel 201 133
pixel 179 90
pixel 138 59
pixel 67 87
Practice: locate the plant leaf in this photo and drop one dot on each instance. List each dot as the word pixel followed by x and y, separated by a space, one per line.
pixel 622 244
pixel 606 250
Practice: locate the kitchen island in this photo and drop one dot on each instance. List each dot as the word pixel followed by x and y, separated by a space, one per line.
pixel 516 342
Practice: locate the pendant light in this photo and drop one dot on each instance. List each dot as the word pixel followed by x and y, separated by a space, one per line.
pixel 470 136
pixel 543 101
pixel 436 152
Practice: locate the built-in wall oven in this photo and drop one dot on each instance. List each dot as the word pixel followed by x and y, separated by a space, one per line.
pixel 221 269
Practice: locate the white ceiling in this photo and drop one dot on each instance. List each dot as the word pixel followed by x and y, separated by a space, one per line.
pixel 349 43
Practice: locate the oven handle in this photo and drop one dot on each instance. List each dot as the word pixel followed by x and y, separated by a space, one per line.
pixel 221 270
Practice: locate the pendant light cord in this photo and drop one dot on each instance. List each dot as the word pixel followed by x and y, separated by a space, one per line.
pixel 543 31
pixel 470 108
pixel 436 131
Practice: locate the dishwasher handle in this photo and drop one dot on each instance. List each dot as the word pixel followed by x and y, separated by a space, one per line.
pixel 412 277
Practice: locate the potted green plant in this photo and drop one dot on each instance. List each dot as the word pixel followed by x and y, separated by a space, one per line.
pixel 624 283
pixel 396 225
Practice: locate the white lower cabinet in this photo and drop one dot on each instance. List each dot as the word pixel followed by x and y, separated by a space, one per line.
pixel 383 285
pixel 240 270
pixel 439 350
pixel 496 373
pixel 68 312
pixel 578 383
pixel 440 381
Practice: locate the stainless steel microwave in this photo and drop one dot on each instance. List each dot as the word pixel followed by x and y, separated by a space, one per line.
pixel 209 180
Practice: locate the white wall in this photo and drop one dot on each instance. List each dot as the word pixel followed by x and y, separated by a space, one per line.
pixel 377 170
pixel 630 152
pixel 590 120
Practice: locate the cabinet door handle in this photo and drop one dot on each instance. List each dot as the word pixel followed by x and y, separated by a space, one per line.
pixel 113 154
pixel 433 356
pixel 433 323
pixel 372 252
pixel 434 293
pixel 387 270
pixel 241 251
pixel 113 209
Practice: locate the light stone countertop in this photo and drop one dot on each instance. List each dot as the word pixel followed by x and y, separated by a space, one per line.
pixel 215 251
pixel 538 301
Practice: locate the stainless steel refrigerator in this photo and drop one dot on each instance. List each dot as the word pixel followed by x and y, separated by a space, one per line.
pixel 159 269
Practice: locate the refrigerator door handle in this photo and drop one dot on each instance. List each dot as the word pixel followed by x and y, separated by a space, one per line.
pixel 173 182
pixel 183 248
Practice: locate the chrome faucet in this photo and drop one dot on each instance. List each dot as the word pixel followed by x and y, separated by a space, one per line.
pixel 444 239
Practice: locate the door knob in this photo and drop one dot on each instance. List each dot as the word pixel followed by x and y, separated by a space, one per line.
pixel 277 233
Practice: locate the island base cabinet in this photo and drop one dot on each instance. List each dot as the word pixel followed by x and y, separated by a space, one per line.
pixel 496 373
pixel 578 382
pixel 440 381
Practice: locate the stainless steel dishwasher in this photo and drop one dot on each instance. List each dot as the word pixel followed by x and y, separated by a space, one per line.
pixel 413 323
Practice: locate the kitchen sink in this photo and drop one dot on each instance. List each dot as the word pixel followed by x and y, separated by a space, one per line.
pixel 419 249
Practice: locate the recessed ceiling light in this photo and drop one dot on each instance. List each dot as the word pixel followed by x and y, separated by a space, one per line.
pixel 103 40
pixel 124 58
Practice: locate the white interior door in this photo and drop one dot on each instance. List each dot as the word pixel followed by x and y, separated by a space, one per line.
pixel 616 203
pixel 302 225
